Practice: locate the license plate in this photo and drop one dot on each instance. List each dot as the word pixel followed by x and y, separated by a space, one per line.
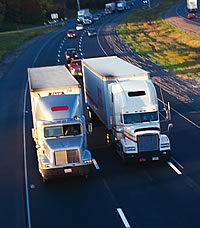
pixel 155 158
pixel 67 170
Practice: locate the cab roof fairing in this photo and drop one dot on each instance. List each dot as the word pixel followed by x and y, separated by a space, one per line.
pixel 145 103
pixel 44 107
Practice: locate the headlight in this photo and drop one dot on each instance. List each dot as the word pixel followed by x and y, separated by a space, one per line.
pixel 87 159
pixel 164 145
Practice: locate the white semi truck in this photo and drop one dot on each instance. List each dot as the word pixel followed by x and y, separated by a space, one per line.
pixel 59 126
pixel 124 98
pixel 110 7
pixel 192 6
pixel 83 13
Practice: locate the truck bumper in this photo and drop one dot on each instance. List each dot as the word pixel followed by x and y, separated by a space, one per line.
pixel 148 156
pixel 53 173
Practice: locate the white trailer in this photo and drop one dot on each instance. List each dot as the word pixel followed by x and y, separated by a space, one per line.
pixel 192 6
pixel 110 6
pixel 59 126
pixel 125 100
pixel 82 13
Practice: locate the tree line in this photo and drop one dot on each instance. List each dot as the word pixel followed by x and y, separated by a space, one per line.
pixel 37 11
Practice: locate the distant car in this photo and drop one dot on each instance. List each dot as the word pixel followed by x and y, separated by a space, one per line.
pixel 191 16
pixel 75 67
pixel 91 32
pixel 87 21
pixel 71 53
pixel 79 19
pixel 103 14
pixel 79 27
pixel 71 33
pixel 95 18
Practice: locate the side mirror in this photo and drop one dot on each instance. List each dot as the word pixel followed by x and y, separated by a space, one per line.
pixel 170 125
pixel 89 128
pixel 37 146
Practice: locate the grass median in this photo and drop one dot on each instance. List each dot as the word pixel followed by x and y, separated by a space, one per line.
pixel 13 39
pixel 150 36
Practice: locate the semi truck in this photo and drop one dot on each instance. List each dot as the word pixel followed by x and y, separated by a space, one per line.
pixel 59 124
pixel 125 100
pixel 192 6
pixel 110 7
pixel 82 13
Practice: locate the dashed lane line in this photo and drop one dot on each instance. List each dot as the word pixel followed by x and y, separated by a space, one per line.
pixel 123 217
pixel 174 168
pixel 95 164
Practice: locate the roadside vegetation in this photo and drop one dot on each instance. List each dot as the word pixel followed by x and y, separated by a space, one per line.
pixel 11 40
pixel 150 36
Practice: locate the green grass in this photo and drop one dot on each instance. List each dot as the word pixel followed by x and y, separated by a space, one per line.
pixel 11 40
pixel 161 43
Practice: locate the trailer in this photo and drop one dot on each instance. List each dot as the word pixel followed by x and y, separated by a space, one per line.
pixel 192 6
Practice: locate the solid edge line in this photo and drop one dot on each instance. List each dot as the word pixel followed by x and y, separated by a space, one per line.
pixel 181 115
pixel 25 160
pixel 126 224
pixel 95 164
pixel 99 41
pixel 174 168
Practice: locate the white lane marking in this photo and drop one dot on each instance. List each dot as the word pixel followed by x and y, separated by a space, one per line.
pixel 58 55
pixel 178 14
pixel 95 164
pixel 80 49
pixel 58 60
pixel 81 53
pixel 190 121
pixel 178 113
pixel 99 41
pixel 126 224
pixel 79 46
pixel 25 159
pixel 174 168
pixel 177 163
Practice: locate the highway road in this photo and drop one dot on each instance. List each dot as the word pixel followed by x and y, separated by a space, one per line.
pixel 116 195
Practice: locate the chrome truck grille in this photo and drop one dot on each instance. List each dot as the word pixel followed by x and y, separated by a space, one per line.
pixel 147 143
pixel 66 157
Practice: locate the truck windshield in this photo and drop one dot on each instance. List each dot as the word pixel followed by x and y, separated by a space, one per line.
pixel 140 117
pixel 63 130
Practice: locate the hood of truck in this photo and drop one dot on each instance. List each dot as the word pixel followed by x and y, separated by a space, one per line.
pixel 64 143
pixel 136 129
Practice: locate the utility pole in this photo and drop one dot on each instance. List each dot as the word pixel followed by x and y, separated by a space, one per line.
pixel 78 4
pixel 149 2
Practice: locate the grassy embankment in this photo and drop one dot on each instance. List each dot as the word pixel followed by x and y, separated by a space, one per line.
pixel 149 35
pixel 11 40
